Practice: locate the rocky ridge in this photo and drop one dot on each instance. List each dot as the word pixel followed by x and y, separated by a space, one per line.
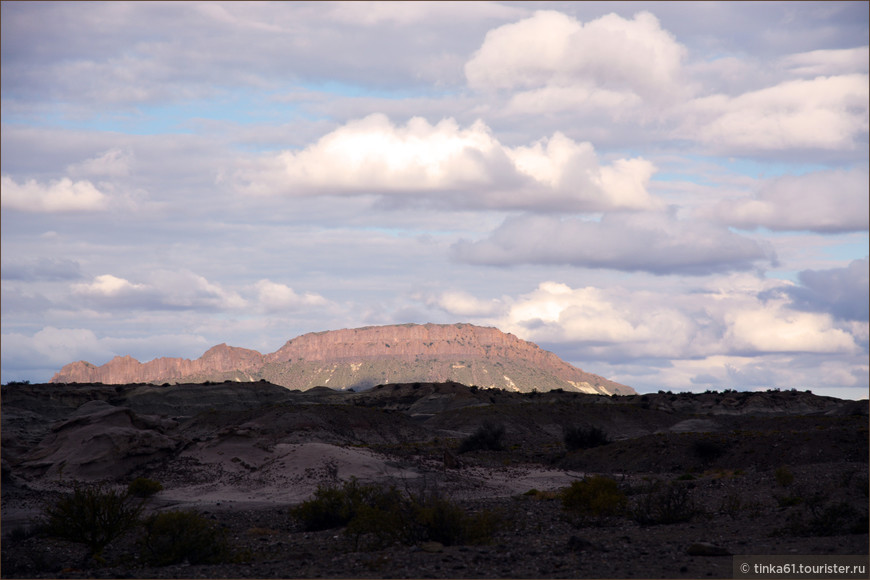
pixel 363 357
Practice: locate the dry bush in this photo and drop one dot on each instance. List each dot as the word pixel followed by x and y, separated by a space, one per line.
pixel 594 497
pixel 487 437
pixel 377 516
pixel 93 516
pixel 584 438
pixel 178 535
pixel 144 487
pixel 659 503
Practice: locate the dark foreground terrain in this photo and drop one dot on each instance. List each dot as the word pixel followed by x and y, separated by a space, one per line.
pixel 547 485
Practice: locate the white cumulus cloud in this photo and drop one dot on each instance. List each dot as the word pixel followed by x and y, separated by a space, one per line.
pixel 275 297
pixel 63 195
pixel 453 166
pixel 828 113
pixel 556 62
pixel 775 328
pixel 728 316
pixel 107 285
pixel 162 290
pixel 461 303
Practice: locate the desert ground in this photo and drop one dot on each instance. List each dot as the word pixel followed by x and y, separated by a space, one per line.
pixel 696 478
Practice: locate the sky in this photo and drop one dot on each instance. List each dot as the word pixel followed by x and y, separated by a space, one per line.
pixel 671 195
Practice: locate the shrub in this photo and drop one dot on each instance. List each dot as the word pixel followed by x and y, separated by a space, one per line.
pixel 708 449
pixel 144 487
pixel 178 535
pixel 18 534
pixel 784 476
pixel 596 496
pixel 661 503
pixel 584 438
pixel 93 516
pixel 836 519
pixel 788 500
pixel 384 515
pixel 441 520
pixel 487 437
pixel 732 504
pixel 832 519
pixel 334 506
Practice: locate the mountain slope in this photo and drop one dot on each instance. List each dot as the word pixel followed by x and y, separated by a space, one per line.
pixel 364 357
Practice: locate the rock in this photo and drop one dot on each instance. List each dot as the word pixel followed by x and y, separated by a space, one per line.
pixel 706 549
pixel 432 547
pixel 364 357
pixel 128 370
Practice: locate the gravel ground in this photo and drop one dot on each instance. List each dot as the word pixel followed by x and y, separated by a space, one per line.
pixel 736 513
pixel 748 473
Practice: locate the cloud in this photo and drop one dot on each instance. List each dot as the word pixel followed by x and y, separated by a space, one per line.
pixel 48 349
pixel 824 201
pixel 728 318
pixel 556 62
pixel 827 375
pixel 448 165
pixel 461 303
pixel 184 290
pixel 602 321
pixel 112 163
pixel 63 195
pixel 411 13
pixel 775 328
pixel 842 292
pixel 51 347
pixel 107 285
pixel 651 242
pixel 573 169
pixel 274 297
pixel 164 290
pixel 555 312
pixel 828 62
pixel 43 269
pixel 204 49
pixel 827 113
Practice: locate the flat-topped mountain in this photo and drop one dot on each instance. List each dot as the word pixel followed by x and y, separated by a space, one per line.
pixel 363 357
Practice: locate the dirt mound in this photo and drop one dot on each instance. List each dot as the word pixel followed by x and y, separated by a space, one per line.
pixel 99 441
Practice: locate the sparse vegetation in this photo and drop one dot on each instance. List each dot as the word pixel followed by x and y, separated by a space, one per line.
pixel 335 506
pixel 788 500
pixel 144 487
pixel 183 535
pixel 784 476
pixel 650 474
pixel 94 516
pixel 708 450
pixel 487 437
pixel 594 497
pixel 663 503
pixel 378 516
pixel 826 519
pixel 584 438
